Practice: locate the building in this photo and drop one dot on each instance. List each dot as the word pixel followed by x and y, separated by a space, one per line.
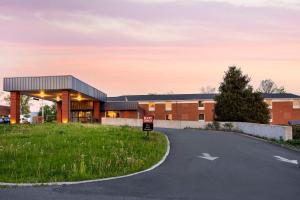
pixel 79 102
pixel 200 107
pixel 76 101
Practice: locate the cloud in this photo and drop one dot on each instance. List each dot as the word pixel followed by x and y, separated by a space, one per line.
pixel 6 18
pixel 293 4
pixel 92 25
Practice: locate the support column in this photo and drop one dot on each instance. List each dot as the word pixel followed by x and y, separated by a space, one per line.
pixel 96 112
pixel 65 106
pixel 58 112
pixel 15 107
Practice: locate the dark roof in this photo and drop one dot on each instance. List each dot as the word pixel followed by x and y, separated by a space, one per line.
pixel 162 97
pixel 119 106
pixel 281 96
pixel 180 97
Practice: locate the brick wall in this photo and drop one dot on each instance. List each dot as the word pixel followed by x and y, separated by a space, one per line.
pixel 65 106
pixel 96 112
pixel 129 114
pixel 283 112
pixel 58 112
pixel 15 107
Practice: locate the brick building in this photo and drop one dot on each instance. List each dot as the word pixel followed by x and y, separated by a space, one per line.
pixel 200 107
pixel 77 101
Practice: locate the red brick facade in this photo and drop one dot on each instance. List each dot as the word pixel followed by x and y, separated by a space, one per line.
pixel 96 112
pixel 58 112
pixel 282 112
pixel 15 107
pixel 65 106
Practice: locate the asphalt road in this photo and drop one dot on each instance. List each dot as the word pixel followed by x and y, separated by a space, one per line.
pixel 246 169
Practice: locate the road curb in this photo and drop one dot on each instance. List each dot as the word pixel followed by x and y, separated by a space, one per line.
pixel 95 180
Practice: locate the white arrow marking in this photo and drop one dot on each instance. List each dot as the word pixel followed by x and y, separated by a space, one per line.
pixel 207 156
pixel 286 160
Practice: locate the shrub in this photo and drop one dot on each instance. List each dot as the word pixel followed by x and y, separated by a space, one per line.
pixel 228 126
pixel 209 126
pixel 296 132
pixel 216 125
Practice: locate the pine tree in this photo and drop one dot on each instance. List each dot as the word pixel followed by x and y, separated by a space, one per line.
pixel 238 102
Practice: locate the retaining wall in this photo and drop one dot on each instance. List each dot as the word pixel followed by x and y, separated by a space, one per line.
pixel 261 130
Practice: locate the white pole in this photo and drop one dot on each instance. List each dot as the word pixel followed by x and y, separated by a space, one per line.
pixel 43 110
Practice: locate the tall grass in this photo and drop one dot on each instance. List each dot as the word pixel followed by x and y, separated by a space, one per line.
pixel 73 152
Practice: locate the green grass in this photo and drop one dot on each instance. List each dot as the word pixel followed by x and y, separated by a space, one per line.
pixel 292 144
pixel 74 152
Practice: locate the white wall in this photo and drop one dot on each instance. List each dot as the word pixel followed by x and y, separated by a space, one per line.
pixel 262 130
pixel 265 130
pixel 157 123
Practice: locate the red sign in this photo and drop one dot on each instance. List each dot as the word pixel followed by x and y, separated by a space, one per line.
pixel 148 119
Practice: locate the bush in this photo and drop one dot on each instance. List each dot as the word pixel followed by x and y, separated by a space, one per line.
pixel 210 126
pixel 217 125
pixel 296 132
pixel 228 126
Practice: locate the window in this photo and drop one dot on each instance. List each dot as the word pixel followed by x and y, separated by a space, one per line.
pixel 271 117
pixel 112 114
pixel 168 106
pixel 296 104
pixel 269 102
pixel 201 117
pixel 200 104
pixel 151 106
pixel 169 117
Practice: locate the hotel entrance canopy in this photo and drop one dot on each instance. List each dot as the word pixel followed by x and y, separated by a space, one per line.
pixel 50 87
pixel 67 91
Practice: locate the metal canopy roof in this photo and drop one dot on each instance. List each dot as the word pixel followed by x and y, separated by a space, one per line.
pixel 52 83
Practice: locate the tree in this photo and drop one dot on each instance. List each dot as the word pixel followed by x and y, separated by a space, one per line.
pixel 49 112
pixel 238 102
pixel 25 104
pixel 268 86
pixel 208 90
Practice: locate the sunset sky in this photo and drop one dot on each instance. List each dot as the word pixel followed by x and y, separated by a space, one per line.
pixel 151 46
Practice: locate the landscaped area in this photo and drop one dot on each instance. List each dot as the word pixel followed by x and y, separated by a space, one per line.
pixel 74 152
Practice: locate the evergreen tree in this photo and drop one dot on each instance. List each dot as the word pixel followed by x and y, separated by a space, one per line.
pixel 238 102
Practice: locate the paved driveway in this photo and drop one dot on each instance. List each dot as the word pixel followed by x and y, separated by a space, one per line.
pixel 246 169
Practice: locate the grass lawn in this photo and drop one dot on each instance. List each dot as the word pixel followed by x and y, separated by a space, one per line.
pixel 74 152
pixel 293 144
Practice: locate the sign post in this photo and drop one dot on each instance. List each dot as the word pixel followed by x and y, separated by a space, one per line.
pixel 148 124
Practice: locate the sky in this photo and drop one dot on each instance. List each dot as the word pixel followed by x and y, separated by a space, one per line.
pixel 151 46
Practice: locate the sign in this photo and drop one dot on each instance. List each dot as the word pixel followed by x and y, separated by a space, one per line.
pixel 148 123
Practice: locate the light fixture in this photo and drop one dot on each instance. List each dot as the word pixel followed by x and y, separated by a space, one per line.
pixel 58 98
pixel 79 97
pixel 42 94
pixel 65 121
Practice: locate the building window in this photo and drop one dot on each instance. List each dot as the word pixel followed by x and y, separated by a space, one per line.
pixel 169 117
pixel 200 105
pixel 168 106
pixel 269 102
pixel 112 114
pixel 151 106
pixel 271 117
pixel 201 117
pixel 296 104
